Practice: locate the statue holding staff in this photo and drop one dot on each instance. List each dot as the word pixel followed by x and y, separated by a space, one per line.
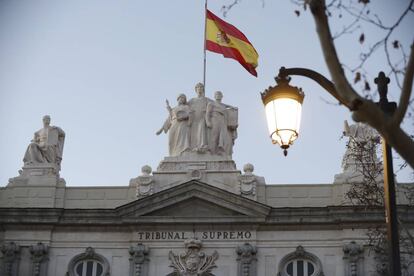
pixel 178 125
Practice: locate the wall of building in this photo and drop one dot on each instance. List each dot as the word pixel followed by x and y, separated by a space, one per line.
pixel 272 247
pixel 289 195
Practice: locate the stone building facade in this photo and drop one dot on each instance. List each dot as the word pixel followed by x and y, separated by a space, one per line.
pixel 196 214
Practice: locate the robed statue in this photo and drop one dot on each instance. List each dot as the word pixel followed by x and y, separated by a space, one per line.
pixel 201 125
pixel 199 133
pixel 46 146
pixel 222 132
pixel 178 125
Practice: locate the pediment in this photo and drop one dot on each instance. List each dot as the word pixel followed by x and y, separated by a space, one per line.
pixel 193 200
pixel 195 207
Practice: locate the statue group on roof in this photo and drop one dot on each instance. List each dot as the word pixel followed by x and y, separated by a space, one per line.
pixel 201 125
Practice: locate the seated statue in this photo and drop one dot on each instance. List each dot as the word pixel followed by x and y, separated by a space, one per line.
pixel 46 146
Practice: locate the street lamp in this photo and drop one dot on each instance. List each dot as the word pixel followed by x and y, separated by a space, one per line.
pixel 283 105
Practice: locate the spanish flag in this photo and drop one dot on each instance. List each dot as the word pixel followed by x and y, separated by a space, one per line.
pixel 223 38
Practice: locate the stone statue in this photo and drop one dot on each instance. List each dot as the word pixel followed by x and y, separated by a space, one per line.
pixel 221 137
pixel 46 146
pixel 360 132
pixel 199 133
pixel 362 143
pixel 178 125
pixel 201 126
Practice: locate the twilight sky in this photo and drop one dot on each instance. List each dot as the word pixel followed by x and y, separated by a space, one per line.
pixel 103 69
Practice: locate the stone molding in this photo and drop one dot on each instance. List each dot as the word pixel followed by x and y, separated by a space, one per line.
pixel 39 256
pixel 139 260
pixel 246 260
pixel 193 262
pixel 89 254
pixel 300 254
pixel 353 256
pixel 10 258
pixel 331 217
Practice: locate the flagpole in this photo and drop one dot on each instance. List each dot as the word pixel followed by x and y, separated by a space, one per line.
pixel 205 41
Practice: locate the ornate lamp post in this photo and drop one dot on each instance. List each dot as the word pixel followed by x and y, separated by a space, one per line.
pixel 283 105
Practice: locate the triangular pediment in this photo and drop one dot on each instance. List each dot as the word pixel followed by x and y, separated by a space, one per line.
pixel 194 200
pixel 195 207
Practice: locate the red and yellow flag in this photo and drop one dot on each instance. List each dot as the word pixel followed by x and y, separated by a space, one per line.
pixel 223 38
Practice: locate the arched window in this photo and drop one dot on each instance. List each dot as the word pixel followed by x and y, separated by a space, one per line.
pixel 300 267
pixel 300 263
pixel 88 264
pixel 88 268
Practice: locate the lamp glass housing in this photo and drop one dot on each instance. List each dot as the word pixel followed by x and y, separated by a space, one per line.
pixel 283 106
pixel 283 120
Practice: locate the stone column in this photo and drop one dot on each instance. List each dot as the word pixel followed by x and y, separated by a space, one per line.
pixel 10 258
pixel 138 260
pixel 246 260
pixel 353 256
pixel 39 255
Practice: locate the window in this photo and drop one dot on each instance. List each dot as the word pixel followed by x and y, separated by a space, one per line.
pixel 88 264
pixel 300 263
pixel 300 268
pixel 88 268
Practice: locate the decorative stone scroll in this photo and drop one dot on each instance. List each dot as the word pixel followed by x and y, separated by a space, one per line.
pixel 246 260
pixel 193 262
pixel 138 260
pixel 144 182
pixel 248 180
pixel 353 256
pixel 10 258
pixel 39 255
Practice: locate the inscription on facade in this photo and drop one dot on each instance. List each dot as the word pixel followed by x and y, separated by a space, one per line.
pixel 205 235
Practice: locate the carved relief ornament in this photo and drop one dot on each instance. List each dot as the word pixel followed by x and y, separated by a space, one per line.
pixel 193 262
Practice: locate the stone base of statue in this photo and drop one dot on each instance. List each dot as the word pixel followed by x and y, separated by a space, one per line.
pixel 219 171
pixel 349 175
pixel 43 174
pixel 353 172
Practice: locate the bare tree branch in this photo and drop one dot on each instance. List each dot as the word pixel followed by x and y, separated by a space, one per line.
pixel 348 29
pixel 361 14
pixel 226 8
pixel 368 191
pixel 406 90
pixel 364 110
pixel 345 90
